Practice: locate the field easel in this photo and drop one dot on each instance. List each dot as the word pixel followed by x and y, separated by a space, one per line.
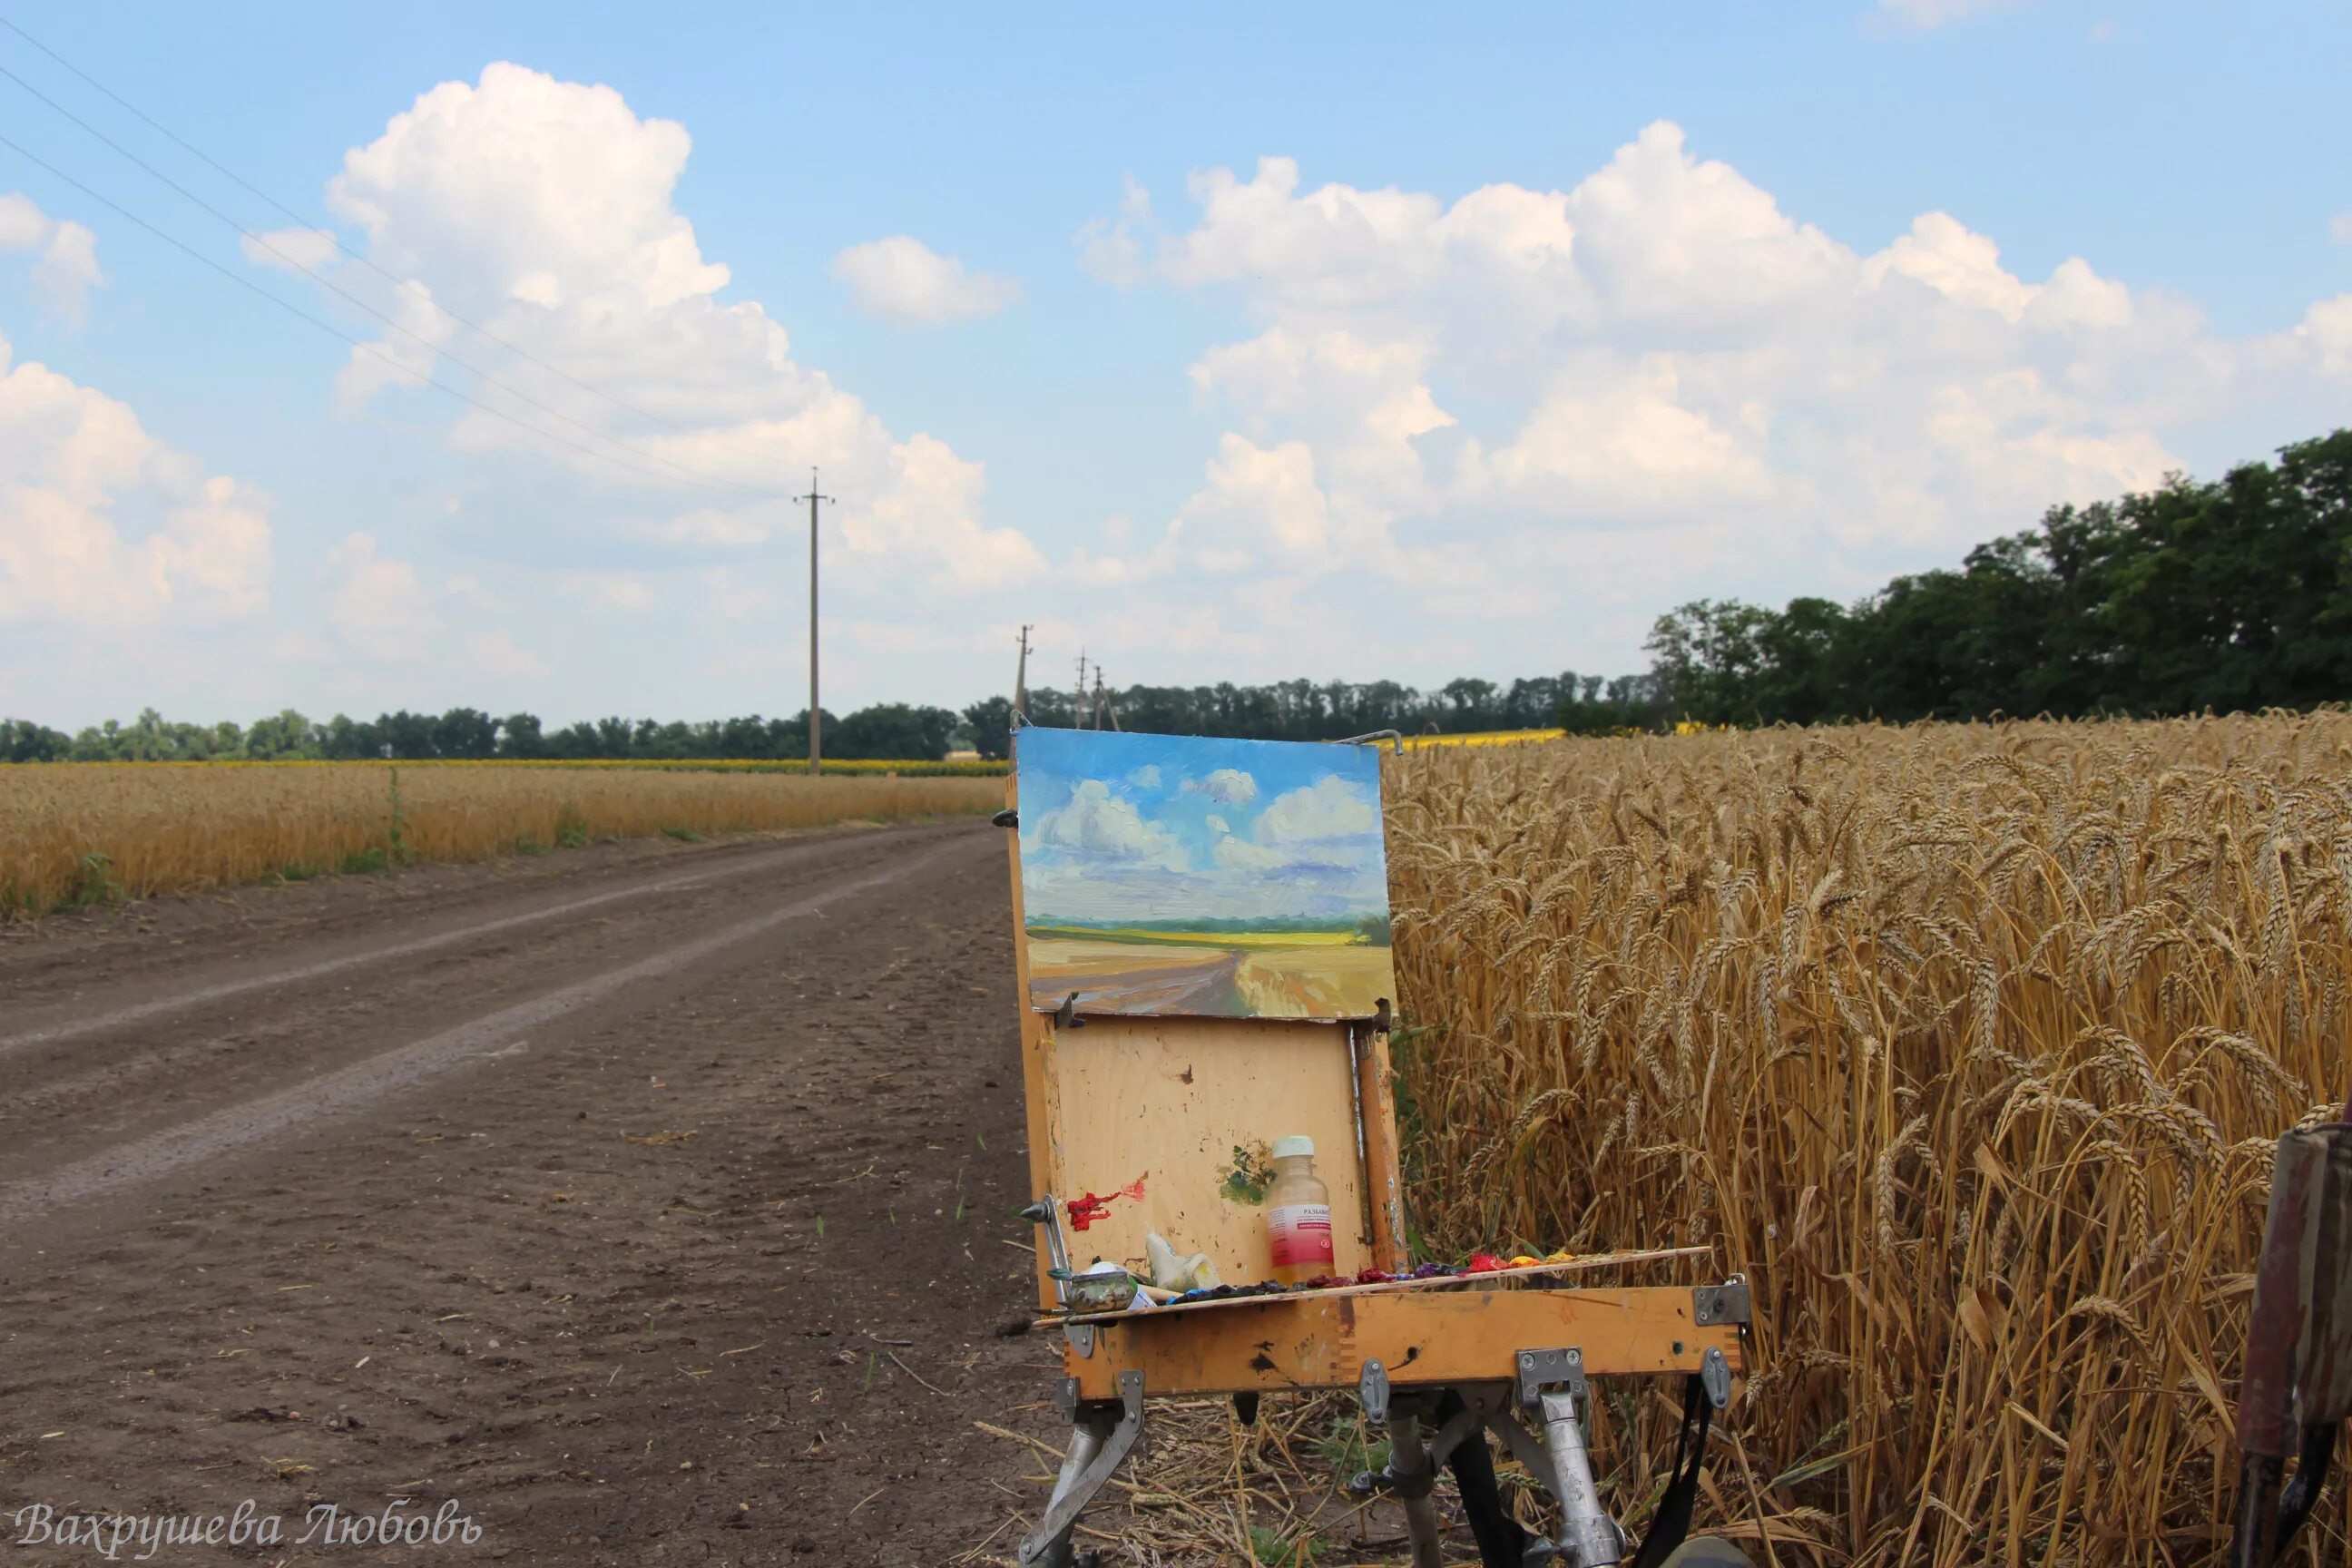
pixel 1174 1099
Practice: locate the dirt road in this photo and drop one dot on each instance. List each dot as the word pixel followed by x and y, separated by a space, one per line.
pixel 646 1203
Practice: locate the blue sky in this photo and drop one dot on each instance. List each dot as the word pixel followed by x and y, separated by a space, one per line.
pixel 1133 828
pixel 1188 338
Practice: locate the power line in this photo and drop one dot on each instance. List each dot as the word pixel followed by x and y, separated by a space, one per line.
pixel 331 329
pixel 329 284
pixel 361 257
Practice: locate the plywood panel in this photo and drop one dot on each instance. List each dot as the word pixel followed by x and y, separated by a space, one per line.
pixel 1169 1100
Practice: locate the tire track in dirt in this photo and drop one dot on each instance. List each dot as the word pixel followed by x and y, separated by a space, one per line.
pixel 702 1271
pixel 399 1068
pixel 221 991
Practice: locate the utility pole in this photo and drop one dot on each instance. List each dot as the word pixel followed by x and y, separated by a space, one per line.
pixel 1078 696
pixel 816 721
pixel 1021 677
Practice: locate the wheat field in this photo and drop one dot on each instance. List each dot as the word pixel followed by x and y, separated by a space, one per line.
pixel 1969 1044
pixel 74 833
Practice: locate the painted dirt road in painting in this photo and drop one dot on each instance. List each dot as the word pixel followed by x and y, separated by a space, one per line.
pixel 1131 977
pixel 1204 980
pixel 1166 876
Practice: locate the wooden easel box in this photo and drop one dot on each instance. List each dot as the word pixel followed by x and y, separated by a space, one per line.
pixel 1169 1100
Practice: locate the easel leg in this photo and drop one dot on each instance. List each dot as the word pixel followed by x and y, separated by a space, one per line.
pixel 1411 1480
pixel 1101 1432
pixel 1588 1537
pixel 1585 1527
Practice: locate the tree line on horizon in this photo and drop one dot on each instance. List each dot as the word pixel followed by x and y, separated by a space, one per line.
pixel 2230 594
pixel 2227 596
pixel 1298 709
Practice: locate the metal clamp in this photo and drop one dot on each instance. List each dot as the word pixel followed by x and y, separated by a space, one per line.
pixel 1081 1336
pixel 1372 1388
pixel 1539 1369
pixel 1728 1302
pixel 1047 1212
pixel 1065 1016
pixel 1714 1378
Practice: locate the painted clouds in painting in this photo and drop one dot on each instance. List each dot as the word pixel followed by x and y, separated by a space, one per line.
pixel 1233 878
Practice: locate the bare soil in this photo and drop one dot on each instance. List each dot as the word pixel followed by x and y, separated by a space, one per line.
pixel 648 1202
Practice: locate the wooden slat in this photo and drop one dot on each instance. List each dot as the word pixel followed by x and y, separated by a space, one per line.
pixel 1317 1342
pixel 1384 1175
pixel 1036 1061
pixel 1389 1287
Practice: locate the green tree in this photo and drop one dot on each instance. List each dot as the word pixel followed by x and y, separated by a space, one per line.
pixel 893 730
pixel 284 734
pixel 21 740
pixel 991 727
pixel 520 736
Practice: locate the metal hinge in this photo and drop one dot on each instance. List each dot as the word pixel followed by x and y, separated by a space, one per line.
pixel 1539 1369
pixel 1712 1305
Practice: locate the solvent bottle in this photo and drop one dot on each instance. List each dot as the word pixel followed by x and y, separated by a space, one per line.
pixel 1298 1213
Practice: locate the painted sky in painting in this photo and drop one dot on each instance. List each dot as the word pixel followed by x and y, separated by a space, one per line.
pixel 1117 827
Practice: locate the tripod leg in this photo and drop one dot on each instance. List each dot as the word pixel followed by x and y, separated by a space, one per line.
pixel 1412 1478
pixel 1101 1432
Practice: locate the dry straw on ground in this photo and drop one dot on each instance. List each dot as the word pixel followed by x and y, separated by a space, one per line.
pixel 74 832
pixel 1969 1044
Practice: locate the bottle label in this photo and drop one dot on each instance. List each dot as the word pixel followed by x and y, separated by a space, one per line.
pixel 1301 1234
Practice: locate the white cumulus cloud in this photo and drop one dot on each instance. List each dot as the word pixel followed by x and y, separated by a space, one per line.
pixel 378 604
pixel 1226 786
pixel 1237 855
pixel 65 266
pixel 545 210
pixel 902 280
pixel 103 525
pixel 1579 406
pixel 1328 809
pixel 1096 822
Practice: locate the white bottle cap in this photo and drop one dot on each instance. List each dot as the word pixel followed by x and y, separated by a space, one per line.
pixel 1286 1148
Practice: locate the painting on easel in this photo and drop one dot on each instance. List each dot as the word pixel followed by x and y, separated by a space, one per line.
pixel 1174 875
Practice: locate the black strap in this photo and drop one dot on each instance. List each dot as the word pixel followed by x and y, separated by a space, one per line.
pixel 1670 1526
pixel 1501 1543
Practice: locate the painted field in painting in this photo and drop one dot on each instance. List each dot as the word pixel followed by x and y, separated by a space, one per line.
pixel 1163 875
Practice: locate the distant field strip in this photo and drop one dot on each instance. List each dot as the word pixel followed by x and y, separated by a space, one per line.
pixel 80 833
